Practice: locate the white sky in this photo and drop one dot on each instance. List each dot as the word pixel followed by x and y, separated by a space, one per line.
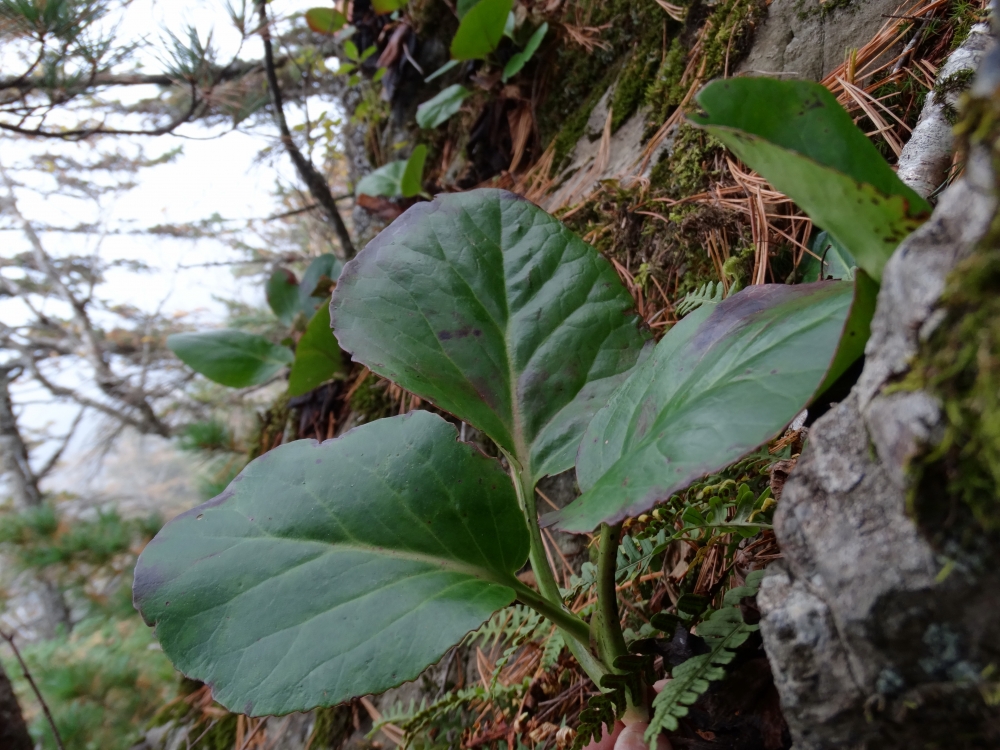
pixel 215 176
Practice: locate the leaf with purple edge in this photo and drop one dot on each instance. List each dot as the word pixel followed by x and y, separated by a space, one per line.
pixel 725 380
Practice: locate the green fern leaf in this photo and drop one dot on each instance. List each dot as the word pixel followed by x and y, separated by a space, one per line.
pixel 707 293
pixel 723 631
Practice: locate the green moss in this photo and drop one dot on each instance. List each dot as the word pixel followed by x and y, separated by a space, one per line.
pixel 732 25
pixel 961 365
pixel 639 74
pixel 687 168
pixel 270 425
pixel 956 495
pixel 955 83
pixel 664 92
pixel 963 15
pixel 576 124
pixel 577 78
pixel 370 399
pixel 333 726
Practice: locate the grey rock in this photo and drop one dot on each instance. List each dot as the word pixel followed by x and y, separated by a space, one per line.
pixel 799 40
pixel 869 645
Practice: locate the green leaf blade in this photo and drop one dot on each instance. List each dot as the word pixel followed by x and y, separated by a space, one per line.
pixel 325 20
pixel 485 305
pixel 384 7
pixel 308 601
pixel 520 59
pixel 385 181
pixel 413 175
pixel 282 293
pixel 441 107
pixel 233 358
pixel 317 356
pixel 721 383
pixel 796 135
pixel 480 30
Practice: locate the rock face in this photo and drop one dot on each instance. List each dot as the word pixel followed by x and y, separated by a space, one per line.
pixel 810 39
pixel 877 640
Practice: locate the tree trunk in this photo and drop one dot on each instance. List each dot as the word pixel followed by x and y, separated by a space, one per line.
pixel 14 453
pixel 882 621
pixel 13 731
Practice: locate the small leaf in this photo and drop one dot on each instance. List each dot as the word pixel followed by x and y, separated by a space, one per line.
pixel 234 358
pixel 312 290
pixel 724 380
pixel 485 305
pixel 796 135
pixel 480 30
pixel 384 7
pixel 834 261
pixel 442 70
pixel 413 176
pixel 333 570
pixel 519 60
pixel 282 293
pixel 462 7
pixel 317 357
pixel 385 181
pixel 435 111
pixel 325 20
pixel 351 50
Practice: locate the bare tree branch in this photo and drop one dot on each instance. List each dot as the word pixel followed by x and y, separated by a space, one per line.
pixel 316 183
pixel 54 458
pixel 9 637
pixel 106 379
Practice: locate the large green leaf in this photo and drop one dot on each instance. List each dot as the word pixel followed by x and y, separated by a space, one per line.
pixel 490 308
pixel 333 570
pixel 437 110
pixel 480 30
pixel 234 358
pixel 796 135
pixel 317 356
pixel 726 379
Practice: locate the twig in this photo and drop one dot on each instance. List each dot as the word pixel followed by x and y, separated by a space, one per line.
pixel 261 722
pixel 9 637
pixel 316 183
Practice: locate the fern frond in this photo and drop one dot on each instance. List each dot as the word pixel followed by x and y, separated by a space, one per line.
pixel 636 555
pixel 710 292
pixel 723 631
pixel 553 647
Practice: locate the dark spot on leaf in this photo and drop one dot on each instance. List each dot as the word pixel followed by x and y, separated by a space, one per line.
pixel 774 372
pixel 199 516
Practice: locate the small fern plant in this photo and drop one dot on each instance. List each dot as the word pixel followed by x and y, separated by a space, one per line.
pixel 724 631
